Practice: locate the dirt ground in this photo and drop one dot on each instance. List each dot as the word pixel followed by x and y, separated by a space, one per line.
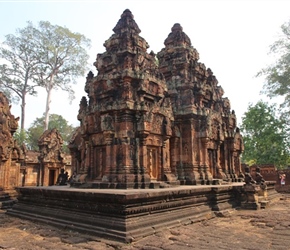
pixel 240 229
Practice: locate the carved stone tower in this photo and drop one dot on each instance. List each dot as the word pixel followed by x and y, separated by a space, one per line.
pixel 126 121
pixel 148 122
pixel 204 145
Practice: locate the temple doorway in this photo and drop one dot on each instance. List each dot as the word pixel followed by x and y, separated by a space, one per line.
pixel 51 178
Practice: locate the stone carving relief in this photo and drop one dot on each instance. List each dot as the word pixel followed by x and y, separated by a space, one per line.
pixel 8 126
pixel 50 146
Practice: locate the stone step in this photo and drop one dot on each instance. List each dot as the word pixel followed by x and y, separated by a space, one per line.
pixel 264 203
pixel 4 196
pixel 7 204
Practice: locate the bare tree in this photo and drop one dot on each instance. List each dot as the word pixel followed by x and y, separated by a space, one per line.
pixel 48 56
pixel 19 68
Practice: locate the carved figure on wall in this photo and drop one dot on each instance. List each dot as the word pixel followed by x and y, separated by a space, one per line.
pixel 127 91
pixel 107 123
pixel 18 152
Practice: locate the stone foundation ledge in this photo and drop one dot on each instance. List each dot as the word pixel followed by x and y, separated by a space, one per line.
pixel 123 215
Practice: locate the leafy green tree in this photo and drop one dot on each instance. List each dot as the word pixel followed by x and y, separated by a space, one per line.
pixel 63 58
pixel 278 75
pixel 49 56
pixel 55 121
pixel 265 136
pixel 21 136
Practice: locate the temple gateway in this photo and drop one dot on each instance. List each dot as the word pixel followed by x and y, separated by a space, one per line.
pixel 151 120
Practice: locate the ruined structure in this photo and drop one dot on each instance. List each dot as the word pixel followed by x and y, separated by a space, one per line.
pixel 21 167
pixel 38 169
pixel 126 124
pixel 11 154
pixel 148 121
pixel 206 144
pixel 51 157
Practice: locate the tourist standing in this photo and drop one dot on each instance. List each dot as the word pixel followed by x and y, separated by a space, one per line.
pixel 282 179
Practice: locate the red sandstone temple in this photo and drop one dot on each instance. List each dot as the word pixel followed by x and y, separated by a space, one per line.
pixel 151 120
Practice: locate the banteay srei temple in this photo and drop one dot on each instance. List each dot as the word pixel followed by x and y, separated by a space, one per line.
pixel 154 118
pixel 158 145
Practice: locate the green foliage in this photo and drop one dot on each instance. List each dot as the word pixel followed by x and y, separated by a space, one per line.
pixel 278 75
pixel 21 137
pixel 265 136
pixel 62 57
pixel 56 121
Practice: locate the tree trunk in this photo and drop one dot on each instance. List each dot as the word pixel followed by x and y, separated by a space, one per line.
pixel 22 111
pixel 48 101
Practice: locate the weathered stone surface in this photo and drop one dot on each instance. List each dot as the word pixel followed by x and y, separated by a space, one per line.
pixel 123 215
pixel 206 144
pixel 11 153
pixel 149 122
pixel 126 123
pixel 146 123
pixel 242 229
pixel 51 158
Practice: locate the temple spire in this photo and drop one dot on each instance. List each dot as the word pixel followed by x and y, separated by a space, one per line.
pixel 177 37
pixel 126 23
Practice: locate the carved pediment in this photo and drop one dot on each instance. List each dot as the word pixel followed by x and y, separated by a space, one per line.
pixel 50 146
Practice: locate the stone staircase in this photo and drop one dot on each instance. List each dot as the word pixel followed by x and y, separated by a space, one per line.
pixel 6 200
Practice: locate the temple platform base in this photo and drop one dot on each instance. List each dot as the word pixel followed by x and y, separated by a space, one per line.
pixel 123 215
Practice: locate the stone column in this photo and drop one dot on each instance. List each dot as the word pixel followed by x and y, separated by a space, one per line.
pixel 145 178
pixel 170 177
pixel 195 174
pixel 221 174
pixel 108 137
pixel 226 161
pixel 176 158
pixel 205 162
pixel 232 166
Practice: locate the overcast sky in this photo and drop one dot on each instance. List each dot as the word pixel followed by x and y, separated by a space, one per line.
pixel 232 38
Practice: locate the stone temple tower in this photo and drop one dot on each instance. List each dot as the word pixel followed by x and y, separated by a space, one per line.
pixel 126 121
pixel 148 122
pixel 205 145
